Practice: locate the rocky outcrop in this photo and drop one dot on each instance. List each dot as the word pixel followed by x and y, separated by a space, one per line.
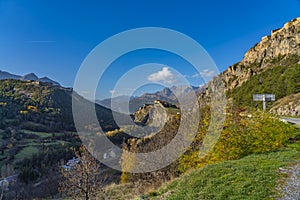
pixel 142 115
pixel 154 115
pixel 287 106
pixel 151 118
pixel 282 42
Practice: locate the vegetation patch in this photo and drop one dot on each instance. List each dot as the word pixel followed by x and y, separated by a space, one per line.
pixel 27 152
pixel 243 134
pixel 40 134
pixel 279 80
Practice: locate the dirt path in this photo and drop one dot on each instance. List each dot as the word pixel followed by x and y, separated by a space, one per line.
pixel 290 188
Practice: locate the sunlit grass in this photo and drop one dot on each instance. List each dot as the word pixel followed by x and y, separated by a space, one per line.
pixel 252 177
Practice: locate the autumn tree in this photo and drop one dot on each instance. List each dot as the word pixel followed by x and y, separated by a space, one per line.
pixel 83 180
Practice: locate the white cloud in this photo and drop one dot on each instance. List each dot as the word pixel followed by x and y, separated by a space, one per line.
pixel 115 93
pixel 207 73
pixel 202 74
pixel 196 75
pixel 112 91
pixel 165 76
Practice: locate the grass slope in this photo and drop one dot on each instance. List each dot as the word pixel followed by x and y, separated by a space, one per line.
pixel 252 177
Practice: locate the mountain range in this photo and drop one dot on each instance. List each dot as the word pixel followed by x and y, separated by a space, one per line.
pixel 171 95
pixel 27 77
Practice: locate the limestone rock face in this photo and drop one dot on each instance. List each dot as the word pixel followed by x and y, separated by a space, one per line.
pixel 157 116
pixel 281 42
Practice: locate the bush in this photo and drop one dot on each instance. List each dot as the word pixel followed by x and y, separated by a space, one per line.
pixel 258 134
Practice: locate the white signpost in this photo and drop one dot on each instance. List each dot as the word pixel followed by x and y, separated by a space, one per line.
pixel 264 98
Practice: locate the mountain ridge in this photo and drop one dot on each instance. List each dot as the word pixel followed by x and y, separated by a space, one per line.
pixel 27 77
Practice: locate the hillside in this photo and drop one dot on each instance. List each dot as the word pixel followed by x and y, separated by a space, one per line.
pixel 282 78
pixel 42 107
pixel 37 132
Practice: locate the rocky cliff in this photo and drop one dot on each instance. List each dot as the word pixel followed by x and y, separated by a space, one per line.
pixel 282 42
pixel 270 66
pixel 155 114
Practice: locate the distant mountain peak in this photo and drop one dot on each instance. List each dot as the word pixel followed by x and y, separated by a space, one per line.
pixel 7 75
pixel 48 80
pixel 30 77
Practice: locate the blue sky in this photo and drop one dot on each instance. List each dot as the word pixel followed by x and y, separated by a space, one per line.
pixel 52 38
